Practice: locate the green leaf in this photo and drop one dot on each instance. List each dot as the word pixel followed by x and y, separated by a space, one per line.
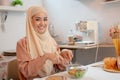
pixel 17 2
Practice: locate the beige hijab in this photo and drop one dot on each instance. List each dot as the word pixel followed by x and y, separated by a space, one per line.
pixel 39 44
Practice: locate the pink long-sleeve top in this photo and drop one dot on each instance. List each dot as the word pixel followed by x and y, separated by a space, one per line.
pixel 27 67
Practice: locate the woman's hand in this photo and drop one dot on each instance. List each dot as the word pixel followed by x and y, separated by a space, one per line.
pixel 67 54
pixel 67 57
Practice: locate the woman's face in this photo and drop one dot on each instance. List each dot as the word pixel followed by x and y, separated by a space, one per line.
pixel 40 22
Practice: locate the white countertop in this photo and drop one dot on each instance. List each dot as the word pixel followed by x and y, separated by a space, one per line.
pixel 93 73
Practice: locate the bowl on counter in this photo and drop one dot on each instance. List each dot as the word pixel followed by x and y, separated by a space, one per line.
pixel 76 70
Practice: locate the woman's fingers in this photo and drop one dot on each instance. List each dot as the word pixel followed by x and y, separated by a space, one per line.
pixel 67 54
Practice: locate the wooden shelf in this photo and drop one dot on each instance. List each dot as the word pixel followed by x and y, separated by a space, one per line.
pixel 109 2
pixel 10 8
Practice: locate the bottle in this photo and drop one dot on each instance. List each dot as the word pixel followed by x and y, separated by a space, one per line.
pixel 71 38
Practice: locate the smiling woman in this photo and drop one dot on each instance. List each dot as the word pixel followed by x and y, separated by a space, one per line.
pixel 38 47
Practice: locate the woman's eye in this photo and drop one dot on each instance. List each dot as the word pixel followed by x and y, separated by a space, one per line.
pixel 37 19
pixel 45 19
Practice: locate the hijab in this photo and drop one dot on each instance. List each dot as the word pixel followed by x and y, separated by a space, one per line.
pixel 39 44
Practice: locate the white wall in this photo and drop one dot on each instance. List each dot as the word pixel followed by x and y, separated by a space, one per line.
pixel 65 13
pixel 15 27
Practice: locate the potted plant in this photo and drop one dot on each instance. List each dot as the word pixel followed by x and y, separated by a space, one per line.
pixel 17 2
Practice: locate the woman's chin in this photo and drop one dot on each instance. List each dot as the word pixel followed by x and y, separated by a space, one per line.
pixel 41 31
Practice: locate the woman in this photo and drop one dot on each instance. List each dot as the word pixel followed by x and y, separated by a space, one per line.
pixel 38 54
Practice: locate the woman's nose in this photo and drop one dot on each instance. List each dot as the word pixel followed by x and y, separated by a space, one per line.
pixel 42 22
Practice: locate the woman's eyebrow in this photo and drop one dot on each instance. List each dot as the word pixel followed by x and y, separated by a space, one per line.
pixel 45 17
pixel 40 17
